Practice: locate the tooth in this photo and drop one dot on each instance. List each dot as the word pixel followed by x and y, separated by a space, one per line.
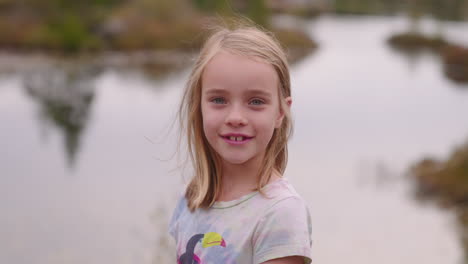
pixel 232 138
pixel 239 138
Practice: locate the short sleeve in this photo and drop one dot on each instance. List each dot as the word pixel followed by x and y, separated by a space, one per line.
pixel 285 230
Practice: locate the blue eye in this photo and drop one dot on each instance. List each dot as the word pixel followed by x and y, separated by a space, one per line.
pixel 218 100
pixel 256 102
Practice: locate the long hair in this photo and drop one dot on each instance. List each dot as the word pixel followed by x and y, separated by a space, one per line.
pixel 253 42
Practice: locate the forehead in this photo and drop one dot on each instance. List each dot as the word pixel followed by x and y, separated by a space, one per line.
pixel 235 72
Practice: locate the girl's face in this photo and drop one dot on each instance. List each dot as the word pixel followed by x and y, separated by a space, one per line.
pixel 240 106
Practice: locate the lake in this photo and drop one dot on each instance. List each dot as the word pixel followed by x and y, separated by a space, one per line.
pixel 89 173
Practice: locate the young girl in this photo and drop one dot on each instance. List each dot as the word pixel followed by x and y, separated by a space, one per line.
pixel 236 111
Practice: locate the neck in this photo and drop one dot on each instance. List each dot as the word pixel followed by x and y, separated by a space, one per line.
pixel 240 179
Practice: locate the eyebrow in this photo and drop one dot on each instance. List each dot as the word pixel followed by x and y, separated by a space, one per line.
pixel 215 91
pixel 250 91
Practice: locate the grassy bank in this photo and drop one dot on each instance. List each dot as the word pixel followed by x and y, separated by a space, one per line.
pixel 456 63
pixel 443 10
pixel 454 57
pixel 414 41
pixel 76 27
pixel 445 180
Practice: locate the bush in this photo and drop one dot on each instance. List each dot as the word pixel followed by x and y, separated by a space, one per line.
pixel 456 63
pixel 416 41
pixel 71 35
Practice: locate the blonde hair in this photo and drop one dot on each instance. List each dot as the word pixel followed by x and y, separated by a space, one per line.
pixel 245 40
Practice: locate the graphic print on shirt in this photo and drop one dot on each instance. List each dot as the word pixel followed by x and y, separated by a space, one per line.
pixel 207 240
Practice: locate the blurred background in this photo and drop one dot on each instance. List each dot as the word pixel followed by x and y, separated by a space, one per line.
pixel 89 90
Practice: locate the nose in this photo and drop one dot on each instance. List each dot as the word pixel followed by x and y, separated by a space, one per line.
pixel 236 117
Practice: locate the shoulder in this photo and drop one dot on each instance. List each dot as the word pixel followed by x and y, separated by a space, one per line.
pixel 291 211
pixel 287 205
pixel 281 192
pixel 284 228
pixel 282 201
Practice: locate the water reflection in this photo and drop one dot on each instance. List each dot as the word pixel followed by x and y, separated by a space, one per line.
pixel 64 96
pixel 64 89
pixel 445 182
pixel 378 174
pixel 153 65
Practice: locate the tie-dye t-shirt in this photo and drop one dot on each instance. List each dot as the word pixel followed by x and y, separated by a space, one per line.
pixel 251 229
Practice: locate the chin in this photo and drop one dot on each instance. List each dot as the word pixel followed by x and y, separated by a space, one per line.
pixel 235 160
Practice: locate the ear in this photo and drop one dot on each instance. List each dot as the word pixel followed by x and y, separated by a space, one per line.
pixel 279 120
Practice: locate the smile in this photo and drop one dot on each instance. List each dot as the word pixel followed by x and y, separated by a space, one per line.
pixel 232 138
pixel 236 139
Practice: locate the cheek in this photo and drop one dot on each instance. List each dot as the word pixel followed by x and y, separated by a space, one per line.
pixel 209 124
pixel 265 127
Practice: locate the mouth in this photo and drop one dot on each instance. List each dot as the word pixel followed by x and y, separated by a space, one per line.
pixel 233 138
pixel 236 138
